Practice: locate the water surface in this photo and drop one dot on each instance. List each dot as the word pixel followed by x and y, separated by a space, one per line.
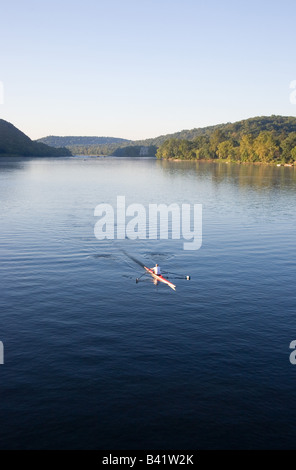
pixel 94 360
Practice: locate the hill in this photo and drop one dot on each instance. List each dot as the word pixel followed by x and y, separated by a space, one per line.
pixel 252 126
pixel 13 142
pixel 55 141
pixel 80 145
pixel 266 139
pixel 279 126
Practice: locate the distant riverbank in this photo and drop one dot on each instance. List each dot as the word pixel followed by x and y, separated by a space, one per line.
pixel 217 160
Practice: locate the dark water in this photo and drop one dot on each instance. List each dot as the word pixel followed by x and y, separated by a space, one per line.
pixel 95 361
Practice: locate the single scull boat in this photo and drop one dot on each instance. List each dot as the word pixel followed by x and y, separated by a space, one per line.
pixel 160 278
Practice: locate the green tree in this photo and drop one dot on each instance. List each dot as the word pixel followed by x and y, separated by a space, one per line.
pixel 287 145
pixel 169 149
pixel 266 148
pixel 246 149
pixel 216 138
pixel 185 150
pixel 227 150
pixel 293 154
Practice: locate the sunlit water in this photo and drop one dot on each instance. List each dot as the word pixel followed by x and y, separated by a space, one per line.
pixel 94 360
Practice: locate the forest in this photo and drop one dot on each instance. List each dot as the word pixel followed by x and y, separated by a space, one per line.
pixel 266 140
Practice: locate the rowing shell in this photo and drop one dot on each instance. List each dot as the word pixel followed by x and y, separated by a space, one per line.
pixel 160 278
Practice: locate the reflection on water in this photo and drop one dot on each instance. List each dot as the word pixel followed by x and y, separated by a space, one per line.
pixel 256 176
pixel 13 163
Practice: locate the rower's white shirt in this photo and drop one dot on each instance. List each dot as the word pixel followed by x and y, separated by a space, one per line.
pixel 156 270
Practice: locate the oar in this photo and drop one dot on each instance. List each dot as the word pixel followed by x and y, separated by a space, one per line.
pixel 135 261
pixel 138 278
pixel 178 274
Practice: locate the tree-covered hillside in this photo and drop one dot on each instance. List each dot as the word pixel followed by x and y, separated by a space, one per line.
pixel 261 139
pixel 277 124
pixel 236 141
pixel 83 145
pixel 13 142
pixel 55 141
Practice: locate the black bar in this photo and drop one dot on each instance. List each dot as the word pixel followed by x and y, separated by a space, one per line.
pixel 138 459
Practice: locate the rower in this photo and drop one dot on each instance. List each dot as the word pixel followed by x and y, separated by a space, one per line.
pixel 156 270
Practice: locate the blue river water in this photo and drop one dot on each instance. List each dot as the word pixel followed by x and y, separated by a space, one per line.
pixel 94 360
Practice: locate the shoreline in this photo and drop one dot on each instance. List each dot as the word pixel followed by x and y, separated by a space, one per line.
pixel 6 157
pixel 237 162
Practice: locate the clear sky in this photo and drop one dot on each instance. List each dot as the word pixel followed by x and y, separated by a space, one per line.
pixel 141 68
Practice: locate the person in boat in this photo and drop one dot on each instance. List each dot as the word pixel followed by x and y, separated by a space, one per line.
pixel 156 270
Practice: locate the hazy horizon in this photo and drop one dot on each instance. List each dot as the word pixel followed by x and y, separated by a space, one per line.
pixel 146 138
pixel 137 70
